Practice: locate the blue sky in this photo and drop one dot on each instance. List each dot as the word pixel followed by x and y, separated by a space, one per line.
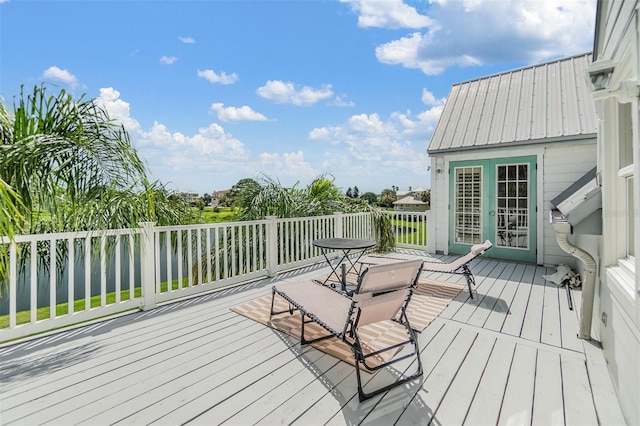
pixel 215 91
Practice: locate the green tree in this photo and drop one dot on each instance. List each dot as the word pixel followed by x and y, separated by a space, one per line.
pixel 370 198
pixel 73 168
pixel 356 192
pixel 206 198
pixel 320 197
pixel 241 193
pixel 349 193
pixel 387 197
pixel 425 197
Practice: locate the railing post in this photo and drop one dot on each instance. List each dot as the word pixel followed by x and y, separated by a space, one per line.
pixel 339 232
pixel 147 265
pixel 431 232
pixel 272 246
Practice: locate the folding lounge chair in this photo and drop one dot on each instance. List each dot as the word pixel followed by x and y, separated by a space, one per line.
pixel 382 294
pixel 461 265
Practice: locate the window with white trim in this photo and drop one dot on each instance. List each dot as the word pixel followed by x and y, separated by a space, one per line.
pixel 625 174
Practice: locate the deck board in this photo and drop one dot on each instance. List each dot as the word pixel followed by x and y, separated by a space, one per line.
pixel 551 333
pixel 502 311
pixel 578 405
pixel 508 356
pixel 517 403
pixel 548 404
pixel 466 382
pixel 485 406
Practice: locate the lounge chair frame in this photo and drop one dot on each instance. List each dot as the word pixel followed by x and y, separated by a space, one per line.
pixel 358 310
pixel 460 266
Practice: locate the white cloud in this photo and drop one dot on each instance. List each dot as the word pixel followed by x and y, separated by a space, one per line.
pixel 476 32
pixel 282 92
pixel 291 164
pixel 222 78
pixel 117 108
pixel 236 114
pixel 211 148
pixel 187 40
pixel 55 73
pixel 339 101
pixel 168 60
pixel 429 99
pixel 387 14
pixel 374 144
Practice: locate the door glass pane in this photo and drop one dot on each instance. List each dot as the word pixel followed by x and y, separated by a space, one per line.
pixel 468 204
pixel 512 218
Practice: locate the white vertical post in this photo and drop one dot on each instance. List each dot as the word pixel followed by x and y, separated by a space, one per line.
pixel 339 232
pixel 147 269
pixel 431 232
pixel 272 246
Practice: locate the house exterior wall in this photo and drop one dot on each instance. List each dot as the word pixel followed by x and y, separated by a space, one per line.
pixel 563 164
pixel 553 176
pixel 617 306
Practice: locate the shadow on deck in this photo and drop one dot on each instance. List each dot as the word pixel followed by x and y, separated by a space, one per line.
pixel 509 356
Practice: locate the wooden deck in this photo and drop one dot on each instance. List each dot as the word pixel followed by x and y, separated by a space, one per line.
pixel 508 357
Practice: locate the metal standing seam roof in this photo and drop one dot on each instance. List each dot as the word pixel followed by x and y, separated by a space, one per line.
pixel 539 103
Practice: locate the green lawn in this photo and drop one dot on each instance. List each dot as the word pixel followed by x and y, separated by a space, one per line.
pixel 410 228
pixel 24 317
pixel 219 214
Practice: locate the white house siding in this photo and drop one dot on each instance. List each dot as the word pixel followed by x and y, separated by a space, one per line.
pixel 559 165
pixel 563 165
pixel 517 113
pixel 440 181
pixel 617 311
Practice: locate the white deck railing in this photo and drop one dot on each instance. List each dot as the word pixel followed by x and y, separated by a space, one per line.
pixel 107 272
pixel 410 228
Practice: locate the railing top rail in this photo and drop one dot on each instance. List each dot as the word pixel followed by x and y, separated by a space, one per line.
pixel 72 234
pixel 290 219
pixel 208 225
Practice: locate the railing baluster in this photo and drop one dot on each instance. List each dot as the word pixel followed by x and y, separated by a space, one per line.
pixel 180 258
pixel 71 281
pixel 169 266
pixel 226 253
pixel 52 278
pixel 217 253
pixel 190 257
pixel 103 271
pixel 199 256
pixel 117 268
pixel 87 272
pixel 158 236
pixel 13 284
pixel 132 287
pixel 208 248
pixel 33 289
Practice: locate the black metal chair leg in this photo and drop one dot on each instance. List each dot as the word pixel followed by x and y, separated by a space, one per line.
pixel 469 277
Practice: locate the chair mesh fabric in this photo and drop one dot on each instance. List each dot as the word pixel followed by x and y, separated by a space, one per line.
pixel 382 307
pixel 388 277
pixel 316 299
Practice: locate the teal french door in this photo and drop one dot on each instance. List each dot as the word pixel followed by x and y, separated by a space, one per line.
pixel 494 199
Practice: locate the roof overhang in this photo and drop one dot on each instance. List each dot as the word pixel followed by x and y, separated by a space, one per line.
pixel 579 200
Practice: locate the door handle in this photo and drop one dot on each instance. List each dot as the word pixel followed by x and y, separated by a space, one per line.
pixel 492 213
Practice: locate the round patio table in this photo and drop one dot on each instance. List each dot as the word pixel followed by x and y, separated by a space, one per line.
pixel 348 247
